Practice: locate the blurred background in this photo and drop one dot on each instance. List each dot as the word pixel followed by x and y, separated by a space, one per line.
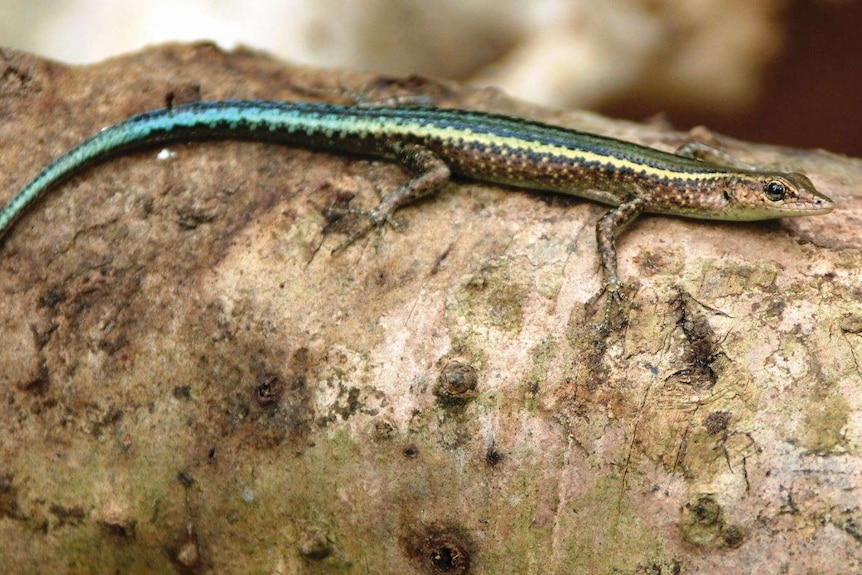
pixel 777 71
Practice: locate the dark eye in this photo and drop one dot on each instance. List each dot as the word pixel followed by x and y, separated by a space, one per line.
pixel 775 191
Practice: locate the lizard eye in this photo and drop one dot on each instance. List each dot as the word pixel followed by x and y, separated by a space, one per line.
pixel 775 191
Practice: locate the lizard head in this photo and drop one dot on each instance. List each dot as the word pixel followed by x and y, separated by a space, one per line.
pixel 768 195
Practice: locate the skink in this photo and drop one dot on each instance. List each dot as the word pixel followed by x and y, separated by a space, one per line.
pixel 434 143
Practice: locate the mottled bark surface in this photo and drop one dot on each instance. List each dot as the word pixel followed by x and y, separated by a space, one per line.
pixel 192 383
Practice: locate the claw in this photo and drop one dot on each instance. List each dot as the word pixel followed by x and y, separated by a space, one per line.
pixel 376 220
pixel 613 312
pixel 431 172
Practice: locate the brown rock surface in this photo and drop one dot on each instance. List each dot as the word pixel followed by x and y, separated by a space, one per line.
pixel 192 383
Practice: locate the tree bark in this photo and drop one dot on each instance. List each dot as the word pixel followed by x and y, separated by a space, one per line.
pixel 194 383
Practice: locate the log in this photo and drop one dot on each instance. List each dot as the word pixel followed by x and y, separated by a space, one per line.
pixel 192 382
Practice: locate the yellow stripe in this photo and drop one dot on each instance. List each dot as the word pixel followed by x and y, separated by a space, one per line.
pixel 380 128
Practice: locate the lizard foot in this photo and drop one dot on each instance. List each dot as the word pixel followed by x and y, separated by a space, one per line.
pixel 609 308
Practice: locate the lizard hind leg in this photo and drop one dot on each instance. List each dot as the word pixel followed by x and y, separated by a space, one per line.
pixel 430 173
pixel 365 97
